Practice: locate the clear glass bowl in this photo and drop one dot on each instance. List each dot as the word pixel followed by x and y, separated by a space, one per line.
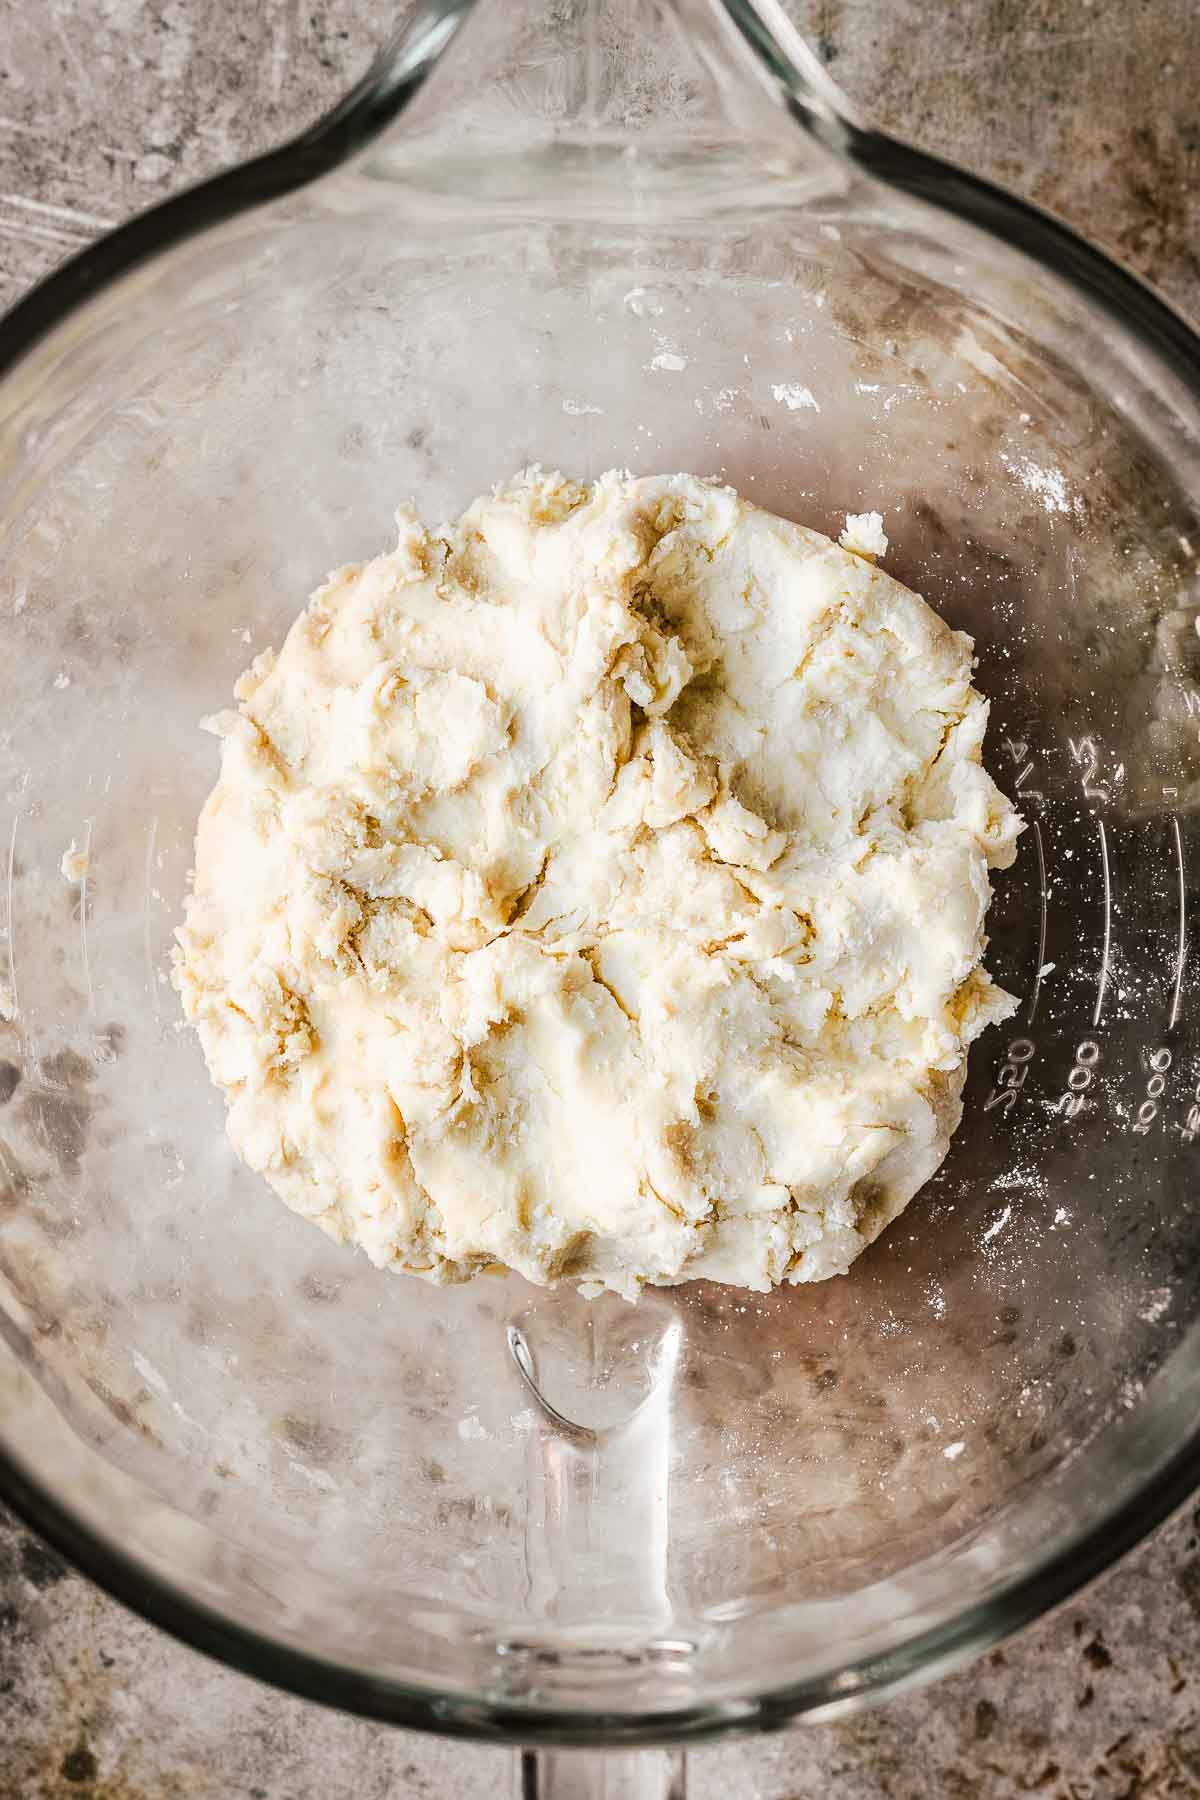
pixel 592 234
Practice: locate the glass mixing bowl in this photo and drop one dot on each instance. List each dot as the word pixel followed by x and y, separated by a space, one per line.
pixel 653 235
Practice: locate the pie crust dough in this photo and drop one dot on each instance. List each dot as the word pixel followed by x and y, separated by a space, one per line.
pixel 596 887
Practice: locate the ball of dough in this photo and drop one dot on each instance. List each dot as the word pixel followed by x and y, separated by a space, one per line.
pixel 596 887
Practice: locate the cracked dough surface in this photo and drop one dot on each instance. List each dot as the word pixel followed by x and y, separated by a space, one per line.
pixel 596 887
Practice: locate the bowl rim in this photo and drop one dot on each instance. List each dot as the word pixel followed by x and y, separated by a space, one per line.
pixel 379 98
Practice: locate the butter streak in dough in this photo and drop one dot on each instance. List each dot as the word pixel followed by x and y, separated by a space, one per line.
pixel 597 887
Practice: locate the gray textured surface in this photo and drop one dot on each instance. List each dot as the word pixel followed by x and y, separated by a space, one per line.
pixel 1090 108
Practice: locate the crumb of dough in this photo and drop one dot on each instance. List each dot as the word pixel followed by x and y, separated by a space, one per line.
pixel 864 535
pixel 595 887
pixel 75 863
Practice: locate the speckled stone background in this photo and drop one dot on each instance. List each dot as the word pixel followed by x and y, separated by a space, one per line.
pixel 1091 107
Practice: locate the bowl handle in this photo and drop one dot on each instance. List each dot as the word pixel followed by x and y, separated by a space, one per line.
pixel 603 1775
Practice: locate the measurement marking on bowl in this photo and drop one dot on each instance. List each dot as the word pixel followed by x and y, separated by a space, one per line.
pixel 12 920
pixel 1087 1060
pixel 151 983
pixel 83 912
pixel 1098 1013
pixel 1160 1061
pixel 1041 954
pixel 1018 750
pixel 1086 756
pixel 1181 950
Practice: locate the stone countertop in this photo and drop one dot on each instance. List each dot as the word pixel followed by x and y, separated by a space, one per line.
pixel 1089 108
